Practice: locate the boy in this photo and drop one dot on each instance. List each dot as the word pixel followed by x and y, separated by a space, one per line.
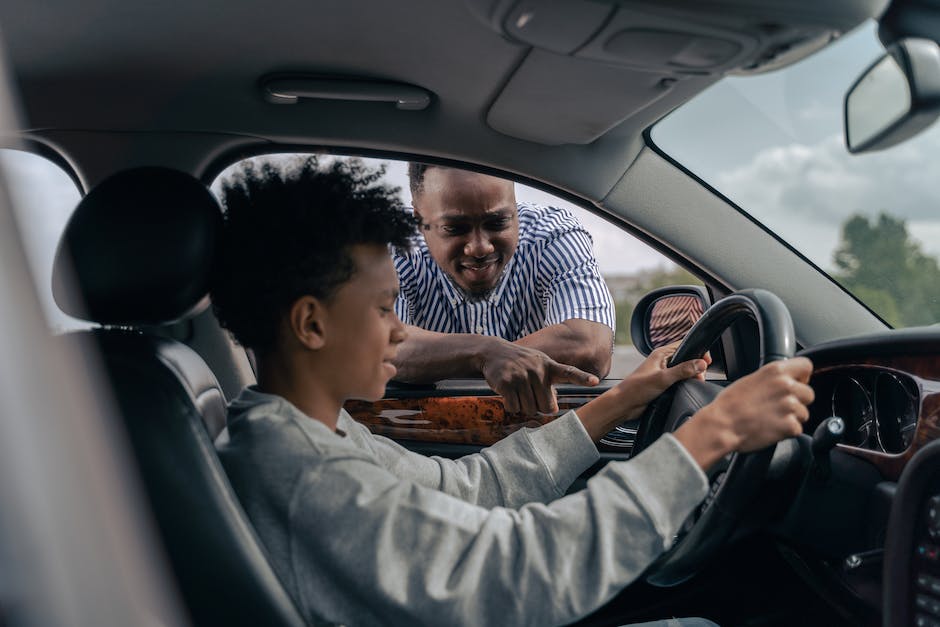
pixel 362 531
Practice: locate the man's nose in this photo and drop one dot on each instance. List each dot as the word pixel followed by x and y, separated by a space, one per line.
pixel 479 244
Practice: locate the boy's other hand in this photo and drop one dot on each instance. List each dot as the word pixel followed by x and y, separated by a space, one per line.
pixel 753 412
pixel 654 376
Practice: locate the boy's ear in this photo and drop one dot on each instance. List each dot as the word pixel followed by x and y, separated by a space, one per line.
pixel 307 318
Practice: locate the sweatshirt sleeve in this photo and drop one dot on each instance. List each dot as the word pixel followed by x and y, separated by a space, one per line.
pixel 531 465
pixel 369 548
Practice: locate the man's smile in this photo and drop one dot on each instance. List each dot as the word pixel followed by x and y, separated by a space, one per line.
pixel 480 270
pixel 480 265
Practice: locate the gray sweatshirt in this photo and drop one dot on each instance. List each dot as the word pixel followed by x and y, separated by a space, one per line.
pixel 362 531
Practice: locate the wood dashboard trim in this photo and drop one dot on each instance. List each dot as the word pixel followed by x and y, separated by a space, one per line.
pixel 474 420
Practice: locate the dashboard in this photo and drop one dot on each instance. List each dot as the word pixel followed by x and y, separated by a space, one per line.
pixel 849 520
pixel 880 406
pixel 886 387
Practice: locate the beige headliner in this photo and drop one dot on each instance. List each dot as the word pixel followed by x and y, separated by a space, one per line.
pixel 111 84
pixel 128 68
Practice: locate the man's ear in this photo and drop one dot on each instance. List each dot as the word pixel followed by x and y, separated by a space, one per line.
pixel 422 226
pixel 307 320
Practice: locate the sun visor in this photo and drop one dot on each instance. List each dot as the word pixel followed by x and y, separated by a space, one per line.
pixel 580 102
pixel 591 64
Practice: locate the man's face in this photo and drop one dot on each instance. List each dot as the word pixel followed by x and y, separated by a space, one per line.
pixel 470 224
pixel 362 330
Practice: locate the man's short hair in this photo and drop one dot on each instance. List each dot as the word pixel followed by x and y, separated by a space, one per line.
pixel 416 172
pixel 288 232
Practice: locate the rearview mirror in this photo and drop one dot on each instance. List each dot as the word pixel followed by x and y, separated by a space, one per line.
pixel 895 98
pixel 665 315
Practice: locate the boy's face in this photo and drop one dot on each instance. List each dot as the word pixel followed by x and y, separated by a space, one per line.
pixel 363 332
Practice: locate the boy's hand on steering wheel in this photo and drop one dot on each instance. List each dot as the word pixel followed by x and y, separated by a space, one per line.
pixel 755 411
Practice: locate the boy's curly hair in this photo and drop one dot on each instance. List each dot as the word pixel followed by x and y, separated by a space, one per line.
pixel 288 233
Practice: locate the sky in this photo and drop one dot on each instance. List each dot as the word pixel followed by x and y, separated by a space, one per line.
pixel 776 150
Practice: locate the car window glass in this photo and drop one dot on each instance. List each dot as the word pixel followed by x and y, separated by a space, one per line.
pixel 868 220
pixel 44 197
pixel 630 267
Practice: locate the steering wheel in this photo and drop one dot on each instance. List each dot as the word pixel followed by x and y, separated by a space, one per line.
pixel 735 480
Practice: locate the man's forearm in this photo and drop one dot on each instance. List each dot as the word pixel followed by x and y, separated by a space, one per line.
pixel 427 356
pixel 523 376
pixel 581 343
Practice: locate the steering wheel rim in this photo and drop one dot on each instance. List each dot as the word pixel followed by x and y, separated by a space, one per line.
pixel 736 480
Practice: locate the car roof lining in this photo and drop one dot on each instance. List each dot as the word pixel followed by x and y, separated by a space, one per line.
pixel 127 69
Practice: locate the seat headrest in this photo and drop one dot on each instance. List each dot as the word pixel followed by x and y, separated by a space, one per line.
pixel 139 249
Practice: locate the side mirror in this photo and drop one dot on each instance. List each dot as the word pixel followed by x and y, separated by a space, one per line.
pixel 894 99
pixel 665 315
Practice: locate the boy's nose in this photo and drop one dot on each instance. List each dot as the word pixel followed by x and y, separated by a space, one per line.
pixel 399 332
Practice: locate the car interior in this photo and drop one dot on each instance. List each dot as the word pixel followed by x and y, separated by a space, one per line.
pixel 144 106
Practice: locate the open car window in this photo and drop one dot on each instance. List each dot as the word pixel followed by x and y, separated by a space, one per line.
pixel 629 267
pixel 43 200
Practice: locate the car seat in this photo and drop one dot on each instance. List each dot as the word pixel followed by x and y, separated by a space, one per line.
pixel 135 255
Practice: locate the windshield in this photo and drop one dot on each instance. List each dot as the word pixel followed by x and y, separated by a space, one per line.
pixel 871 221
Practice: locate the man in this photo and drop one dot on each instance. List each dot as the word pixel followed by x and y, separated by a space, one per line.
pixel 364 532
pixel 499 290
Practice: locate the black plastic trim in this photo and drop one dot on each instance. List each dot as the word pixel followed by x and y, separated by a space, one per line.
pixel 911 341
pixel 921 477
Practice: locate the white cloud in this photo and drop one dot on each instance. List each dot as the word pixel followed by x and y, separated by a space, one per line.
pixel 805 192
pixel 927 233
pixel 815 111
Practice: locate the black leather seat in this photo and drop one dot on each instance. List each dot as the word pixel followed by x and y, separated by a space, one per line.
pixel 141 245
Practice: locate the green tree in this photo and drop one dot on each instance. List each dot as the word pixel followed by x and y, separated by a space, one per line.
pixel 879 262
pixel 623 310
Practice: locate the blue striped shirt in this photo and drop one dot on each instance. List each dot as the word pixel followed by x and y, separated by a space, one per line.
pixel 552 277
